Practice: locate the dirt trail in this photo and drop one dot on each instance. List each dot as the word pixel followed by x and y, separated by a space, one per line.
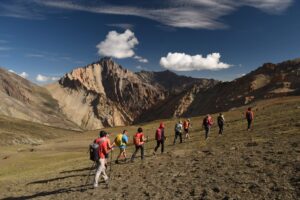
pixel 261 164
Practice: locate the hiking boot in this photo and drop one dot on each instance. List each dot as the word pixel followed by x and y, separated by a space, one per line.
pixel 107 183
pixel 95 185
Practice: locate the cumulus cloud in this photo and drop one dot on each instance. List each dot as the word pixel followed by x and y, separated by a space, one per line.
pixel 185 62
pixel 141 59
pixel 23 74
pixel 118 45
pixel 42 78
pixel 205 14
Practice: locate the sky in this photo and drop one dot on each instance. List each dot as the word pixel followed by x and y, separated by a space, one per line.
pixel 41 40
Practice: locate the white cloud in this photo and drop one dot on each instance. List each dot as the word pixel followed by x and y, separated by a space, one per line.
pixel 118 45
pixel 23 74
pixel 21 9
pixel 42 78
pixel 141 59
pixel 185 62
pixel 195 14
pixel 35 55
pixel 139 67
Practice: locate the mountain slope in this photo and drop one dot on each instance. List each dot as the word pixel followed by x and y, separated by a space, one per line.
pixel 268 81
pixel 109 95
pixel 261 164
pixel 25 100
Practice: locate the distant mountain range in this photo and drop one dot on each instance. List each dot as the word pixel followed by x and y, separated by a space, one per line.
pixel 105 94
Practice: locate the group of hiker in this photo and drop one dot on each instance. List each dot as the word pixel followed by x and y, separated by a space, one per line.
pixel 103 145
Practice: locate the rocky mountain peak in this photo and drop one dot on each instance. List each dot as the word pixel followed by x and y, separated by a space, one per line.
pixel 114 95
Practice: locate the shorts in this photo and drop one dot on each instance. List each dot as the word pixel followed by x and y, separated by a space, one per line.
pixel 122 148
pixel 186 130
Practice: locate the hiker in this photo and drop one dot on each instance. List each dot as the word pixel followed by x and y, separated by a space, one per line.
pixel 249 117
pixel 186 127
pixel 160 138
pixel 121 141
pixel 138 140
pixel 178 131
pixel 207 123
pixel 100 164
pixel 221 121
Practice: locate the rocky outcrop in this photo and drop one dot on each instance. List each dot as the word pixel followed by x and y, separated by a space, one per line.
pixel 105 94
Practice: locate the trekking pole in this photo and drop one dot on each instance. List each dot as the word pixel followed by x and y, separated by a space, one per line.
pixel 147 139
pixel 90 172
pixel 111 163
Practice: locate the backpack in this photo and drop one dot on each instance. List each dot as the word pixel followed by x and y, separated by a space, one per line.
pixel 220 120
pixel 249 115
pixel 178 127
pixel 205 121
pixel 94 152
pixel 118 140
pixel 158 135
pixel 137 139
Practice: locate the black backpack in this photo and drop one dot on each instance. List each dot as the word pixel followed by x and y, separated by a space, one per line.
pixel 205 121
pixel 220 120
pixel 94 152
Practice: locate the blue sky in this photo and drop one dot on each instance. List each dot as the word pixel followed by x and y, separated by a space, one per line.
pixel 199 38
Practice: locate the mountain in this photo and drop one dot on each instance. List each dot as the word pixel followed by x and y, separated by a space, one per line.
pixel 105 94
pixel 268 81
pixel 25 100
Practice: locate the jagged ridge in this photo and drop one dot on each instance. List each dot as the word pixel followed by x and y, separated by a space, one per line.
pixel 110 95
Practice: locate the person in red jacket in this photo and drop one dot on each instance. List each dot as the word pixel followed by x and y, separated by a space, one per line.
pixel 138 140
pixel 160 137
pixel 100 164
pixel 249 116
pixel 207 123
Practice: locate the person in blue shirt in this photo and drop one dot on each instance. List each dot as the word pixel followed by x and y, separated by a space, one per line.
pixel 122 146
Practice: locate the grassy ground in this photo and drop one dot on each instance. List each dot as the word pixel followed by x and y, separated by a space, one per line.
pixel 261 164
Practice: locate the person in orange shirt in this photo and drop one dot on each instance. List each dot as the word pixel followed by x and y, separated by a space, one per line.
pixel 186 127
pixel 249 117
pixel 100 164
pixel 138 140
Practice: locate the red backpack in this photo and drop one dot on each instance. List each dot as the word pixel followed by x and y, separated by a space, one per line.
pixel 158 134
pixel 137 139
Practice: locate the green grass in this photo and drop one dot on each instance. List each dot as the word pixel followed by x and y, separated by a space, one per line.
pixel 65 149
